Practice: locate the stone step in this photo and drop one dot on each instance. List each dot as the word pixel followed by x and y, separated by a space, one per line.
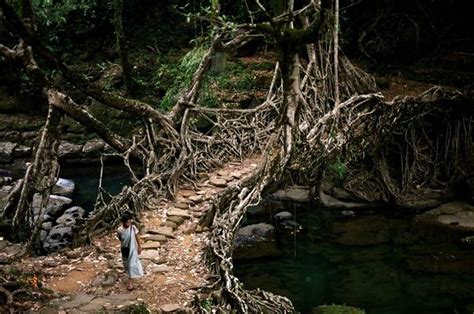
pixel 166 231
pixel 196 198
pixel 171 224
pixel 179 213
pixel 223 173
pixel 236 174
pixel 182 205
pixel 149 254
pixel 218 182
pixel 155 237
pixel 186 193
pixel 154 268
pixel 176 219
pixel 151 245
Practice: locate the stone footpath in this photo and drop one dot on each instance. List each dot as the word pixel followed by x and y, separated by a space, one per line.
pixel 92 279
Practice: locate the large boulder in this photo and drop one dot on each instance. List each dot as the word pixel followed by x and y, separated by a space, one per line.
pixel 55 206
pixel 70 216
pixel 255 241
pixel 22 151
pixel 93 147
pixel 69 150
pixel 284 215
pixel 294 193
pixel 261 230
pixel 453 215
pixel 59 237
pixel 64 187
pixel 6 151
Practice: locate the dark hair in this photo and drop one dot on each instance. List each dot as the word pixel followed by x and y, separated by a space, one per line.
pixel 125 217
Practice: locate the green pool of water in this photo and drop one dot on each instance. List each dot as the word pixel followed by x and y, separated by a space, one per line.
pixel 381 263
pixel 86 178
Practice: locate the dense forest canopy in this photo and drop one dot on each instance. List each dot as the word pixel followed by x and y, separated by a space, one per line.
pixel 177 89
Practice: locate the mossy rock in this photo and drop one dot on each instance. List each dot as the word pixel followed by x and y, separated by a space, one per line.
pixel 337 309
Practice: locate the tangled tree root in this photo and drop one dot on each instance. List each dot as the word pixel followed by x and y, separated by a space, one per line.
pixel 300 125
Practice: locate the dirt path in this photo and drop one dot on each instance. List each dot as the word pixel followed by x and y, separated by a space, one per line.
pixel 91 279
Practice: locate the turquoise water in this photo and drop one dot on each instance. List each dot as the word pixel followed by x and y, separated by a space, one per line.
pixel 382 263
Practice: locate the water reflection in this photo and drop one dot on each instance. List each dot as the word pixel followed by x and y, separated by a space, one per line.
pixel 379 262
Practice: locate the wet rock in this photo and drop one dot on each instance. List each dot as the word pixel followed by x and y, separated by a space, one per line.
pixel 43 235
pixel 332 202
pixel 255 241
pixel 59 237
pixel 348 213
pixel 343 194
pixel 29 135
pixel 6 151
pixel 292 226
pixel 293 193
pixel 70 216
pixel 257 230
pixel 456 215
pixel 423 202
pixel 64 187
pixel 468 241
pixel 5 190
pixel 75 211
pixel 69 150
pixel 285 215
pixel 22 151
pixel 218 182
pixel 55 205
pixel 93 147
pixel 47 225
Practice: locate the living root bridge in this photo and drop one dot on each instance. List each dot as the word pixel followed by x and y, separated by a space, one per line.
pixel 301 122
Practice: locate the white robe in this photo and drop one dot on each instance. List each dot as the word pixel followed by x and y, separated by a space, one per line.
pixel 131 263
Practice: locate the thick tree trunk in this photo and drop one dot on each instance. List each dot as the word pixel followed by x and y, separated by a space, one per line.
pixel 122 47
